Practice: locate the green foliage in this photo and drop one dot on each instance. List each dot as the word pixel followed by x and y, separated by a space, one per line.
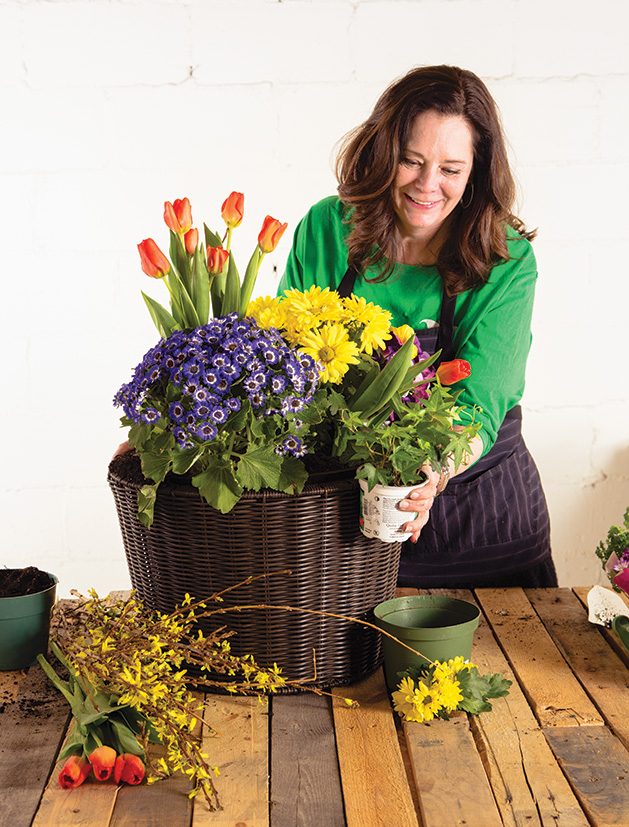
pixel 617 542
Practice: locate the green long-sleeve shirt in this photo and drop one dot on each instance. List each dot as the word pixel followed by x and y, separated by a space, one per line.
pixel 492 322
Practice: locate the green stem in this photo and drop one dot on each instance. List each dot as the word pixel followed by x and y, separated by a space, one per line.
pixel 173 298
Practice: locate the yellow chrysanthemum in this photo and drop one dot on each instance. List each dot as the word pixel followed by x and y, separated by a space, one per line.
pixel 426 702
pixel 375 334
pixel 450 693
pixel 373 320
pixel 311 308
pixel 448 669
pixel 331 347
pixel 267 312
pixel 403 698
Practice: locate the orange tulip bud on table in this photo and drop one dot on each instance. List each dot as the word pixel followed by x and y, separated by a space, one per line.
pixel 270 234
pixel 129 768
pixel 178 215
pixel 74 772
pixel 103 760
pixel 154 262
pixel 233 209
pixel 450 372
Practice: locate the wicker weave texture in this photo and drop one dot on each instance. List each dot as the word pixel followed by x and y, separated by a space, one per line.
pixel 193 548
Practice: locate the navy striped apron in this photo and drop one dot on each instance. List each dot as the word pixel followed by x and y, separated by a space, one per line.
pixel 490 527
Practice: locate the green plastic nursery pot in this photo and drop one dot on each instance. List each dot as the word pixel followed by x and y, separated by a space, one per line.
pixel 436 627
pixel 24 627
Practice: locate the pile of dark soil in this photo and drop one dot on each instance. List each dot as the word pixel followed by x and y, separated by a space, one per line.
pixel 319 466
pixel 18 582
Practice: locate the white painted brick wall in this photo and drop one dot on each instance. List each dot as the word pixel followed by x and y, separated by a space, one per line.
pixel 108 108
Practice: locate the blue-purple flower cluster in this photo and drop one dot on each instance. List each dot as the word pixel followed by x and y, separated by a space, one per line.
pixel 193 382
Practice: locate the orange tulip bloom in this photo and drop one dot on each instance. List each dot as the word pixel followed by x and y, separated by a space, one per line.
pixel 233 209
pixel 270 234
pixel 178 215
pixel 74 772
pixel 191 240
pixel 129 768
pixel 450 372
pixel 154 262
pixel 103 760
pixel 216 260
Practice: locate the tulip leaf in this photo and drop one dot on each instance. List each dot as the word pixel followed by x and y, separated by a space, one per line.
pixel 127 742
pixel 180 260
pixel 163 321
pixel 385 385
pixel 231 300
pixel 212 239
pixel 200 286
pixel 248 283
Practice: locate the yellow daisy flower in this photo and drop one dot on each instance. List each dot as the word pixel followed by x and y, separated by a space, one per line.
pixel 450 693
pixel 314 306
pixel 331 347
pixel 426 702
pixel 403 698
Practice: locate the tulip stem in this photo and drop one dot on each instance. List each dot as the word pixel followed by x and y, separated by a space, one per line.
pixel 174 298
pixel 229 239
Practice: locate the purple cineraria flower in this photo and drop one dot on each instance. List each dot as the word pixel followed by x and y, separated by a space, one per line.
pixel 176 411
pixel 206 431
pixel 234 404
pixel 278 383
pixel 219 415
pixel 150 415
pixel 294 446
pixel 202 410
pixel 257 399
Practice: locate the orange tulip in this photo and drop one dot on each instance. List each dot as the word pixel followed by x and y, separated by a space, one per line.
pixel 216 260
pixel 233 209
pixel 74 772
pixel 178 215
pixel 191 240
pixel 103 760
pixel 450 372
pixel 129 768
pixel 270 234
pixel 154 262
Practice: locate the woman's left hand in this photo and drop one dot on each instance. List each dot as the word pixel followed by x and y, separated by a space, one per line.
pixel 420 500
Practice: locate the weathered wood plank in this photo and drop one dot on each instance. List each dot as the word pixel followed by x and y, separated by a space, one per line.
pixel 305 778
pixel 598 768
pixel 611 637
pixel 603 675
pixel 373 778
pixel 90 804
pixel 449 775
pixel 529 787
pixel 240 751
pixel 151 805
pixel 31 730
pixel 554 693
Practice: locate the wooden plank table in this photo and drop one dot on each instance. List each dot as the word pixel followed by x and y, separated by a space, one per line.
pixel 554 752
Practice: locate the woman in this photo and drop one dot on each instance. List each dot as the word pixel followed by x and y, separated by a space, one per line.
pixel 423 226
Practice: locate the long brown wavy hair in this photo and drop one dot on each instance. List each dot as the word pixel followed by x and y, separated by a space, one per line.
pixel 368 162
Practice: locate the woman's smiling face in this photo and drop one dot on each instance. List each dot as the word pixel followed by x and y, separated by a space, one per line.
pixel 433 173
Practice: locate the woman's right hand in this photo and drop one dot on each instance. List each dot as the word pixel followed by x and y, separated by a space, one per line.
pixel 420 500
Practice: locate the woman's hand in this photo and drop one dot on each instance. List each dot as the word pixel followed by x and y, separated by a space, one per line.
pixel 420 500
pixel 122 448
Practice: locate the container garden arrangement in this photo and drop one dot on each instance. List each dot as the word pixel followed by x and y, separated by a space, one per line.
pixel 246 422
pixel 27 597
pixel 606 608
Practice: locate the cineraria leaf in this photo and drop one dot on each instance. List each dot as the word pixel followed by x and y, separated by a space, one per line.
pixel 183 460
pixel 146 504
pixel 293 475
pixel 218 485
pixel 155 466
pixel 259 468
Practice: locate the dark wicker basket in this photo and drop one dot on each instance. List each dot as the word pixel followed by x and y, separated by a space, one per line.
pixel 193 548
